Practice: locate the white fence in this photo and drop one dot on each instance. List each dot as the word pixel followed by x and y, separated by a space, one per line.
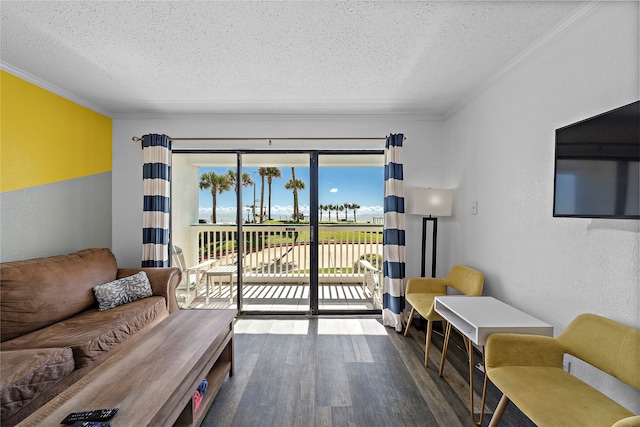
pixel 282 251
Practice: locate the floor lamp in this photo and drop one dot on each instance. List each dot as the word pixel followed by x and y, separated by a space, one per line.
pixel 430 203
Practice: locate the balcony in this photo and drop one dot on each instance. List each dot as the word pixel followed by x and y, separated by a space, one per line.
pixel 276 265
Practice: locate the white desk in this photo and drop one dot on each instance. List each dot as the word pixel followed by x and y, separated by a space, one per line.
pixel 478 317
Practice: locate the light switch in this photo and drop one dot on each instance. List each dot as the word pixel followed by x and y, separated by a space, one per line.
pixel 474 207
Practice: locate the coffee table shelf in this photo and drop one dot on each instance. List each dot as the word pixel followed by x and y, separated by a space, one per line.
pixel 191 416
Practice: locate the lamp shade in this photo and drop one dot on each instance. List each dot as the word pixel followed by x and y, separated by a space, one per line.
pixel 430 202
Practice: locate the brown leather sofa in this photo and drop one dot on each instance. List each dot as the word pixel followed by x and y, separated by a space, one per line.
pixel 51 330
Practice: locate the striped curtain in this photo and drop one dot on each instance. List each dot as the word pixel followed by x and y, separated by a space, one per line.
pixel 393 251
pixel 156 182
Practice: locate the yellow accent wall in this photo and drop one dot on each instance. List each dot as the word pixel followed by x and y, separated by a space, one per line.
pixel 46 138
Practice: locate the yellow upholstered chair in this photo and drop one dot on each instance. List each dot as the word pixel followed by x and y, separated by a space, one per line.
pixel 421 292
pixel 528 369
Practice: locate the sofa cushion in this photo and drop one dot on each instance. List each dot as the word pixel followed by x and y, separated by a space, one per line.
pixel 93 332
pixel 123 291
pixel 26 373
pixel 40 292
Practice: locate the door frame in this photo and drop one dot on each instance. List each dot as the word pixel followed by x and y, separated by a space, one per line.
pixel 313 224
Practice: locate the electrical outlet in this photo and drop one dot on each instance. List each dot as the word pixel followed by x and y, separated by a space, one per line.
pixel 474 207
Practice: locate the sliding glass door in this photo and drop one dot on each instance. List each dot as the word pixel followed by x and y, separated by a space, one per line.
pixel 350 220
pixel 276 233
pixel 279 232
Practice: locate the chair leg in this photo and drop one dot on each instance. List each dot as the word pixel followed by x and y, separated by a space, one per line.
pixel 406 330
pixel 502 405
pixel 428 341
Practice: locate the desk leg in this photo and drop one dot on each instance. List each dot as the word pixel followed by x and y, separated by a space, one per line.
pixel 484 386
pixel 443 358
pixel 469 347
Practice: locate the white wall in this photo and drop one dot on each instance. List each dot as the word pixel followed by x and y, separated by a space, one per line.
pixel 422 152
pixel 184 204
pixel 499 151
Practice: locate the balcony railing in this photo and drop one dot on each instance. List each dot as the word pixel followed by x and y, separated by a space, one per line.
pixel 282 251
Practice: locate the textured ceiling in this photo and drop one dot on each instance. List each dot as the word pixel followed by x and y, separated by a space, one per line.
pixel 200 57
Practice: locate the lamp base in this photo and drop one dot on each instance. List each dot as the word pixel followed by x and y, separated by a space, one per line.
pixel 434 245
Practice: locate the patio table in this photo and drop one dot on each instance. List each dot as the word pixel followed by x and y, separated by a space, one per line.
pixel 221 271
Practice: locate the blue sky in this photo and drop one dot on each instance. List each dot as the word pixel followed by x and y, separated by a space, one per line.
pixel 338 185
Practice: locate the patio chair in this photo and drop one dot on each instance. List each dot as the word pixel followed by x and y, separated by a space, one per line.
pixel 372 281
pixel 192 282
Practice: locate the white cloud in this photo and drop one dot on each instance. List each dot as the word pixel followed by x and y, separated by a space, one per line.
pixel 333 190
pixel 371 210
pixel 280 209
pixel 221 209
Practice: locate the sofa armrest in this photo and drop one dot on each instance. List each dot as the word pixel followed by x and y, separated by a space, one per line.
pixel 164 281
pixel 426 285
pixel 628 422
pixel 522 350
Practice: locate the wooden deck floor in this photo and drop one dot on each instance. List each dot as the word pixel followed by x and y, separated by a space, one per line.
pixel 344 372
pixel 288 297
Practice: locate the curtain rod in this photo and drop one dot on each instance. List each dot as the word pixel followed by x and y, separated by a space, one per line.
pixel 138 139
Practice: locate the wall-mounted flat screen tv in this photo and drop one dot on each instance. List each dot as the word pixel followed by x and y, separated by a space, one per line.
pixel 597 166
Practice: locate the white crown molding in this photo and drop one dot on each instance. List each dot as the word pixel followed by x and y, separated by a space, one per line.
pixel 582 12
pixel 142 115
pixel 53 88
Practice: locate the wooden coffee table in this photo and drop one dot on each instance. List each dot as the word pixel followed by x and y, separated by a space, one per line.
pixel 152 377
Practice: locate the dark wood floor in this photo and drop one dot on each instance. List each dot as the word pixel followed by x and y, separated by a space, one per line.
pixel 345 372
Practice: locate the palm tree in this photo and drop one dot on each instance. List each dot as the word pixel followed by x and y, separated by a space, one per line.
pixel 218 184
pixel 331 208
pixel 271 173
pixel 355 207
pixel 347 206
pixel 233 180
pixel 295 185
pixel 320 209
pixel 340 208
pixel 262 172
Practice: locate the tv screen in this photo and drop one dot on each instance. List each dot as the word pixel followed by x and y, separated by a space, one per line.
pixel 597 166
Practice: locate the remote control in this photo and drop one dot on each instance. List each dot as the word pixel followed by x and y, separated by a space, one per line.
pixel 94 415
pixel 90 424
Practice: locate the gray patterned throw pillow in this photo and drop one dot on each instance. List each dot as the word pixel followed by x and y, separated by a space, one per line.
pixel 122 291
